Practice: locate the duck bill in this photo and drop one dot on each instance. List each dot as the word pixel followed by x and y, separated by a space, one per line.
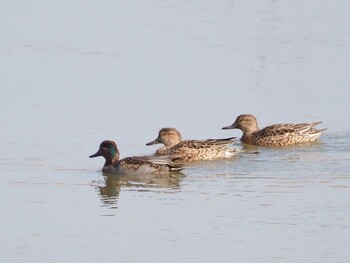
pixel 156 141
pixel 95 155
pixel 233 126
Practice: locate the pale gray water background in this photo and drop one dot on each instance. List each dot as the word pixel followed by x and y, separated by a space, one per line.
pixel 73 73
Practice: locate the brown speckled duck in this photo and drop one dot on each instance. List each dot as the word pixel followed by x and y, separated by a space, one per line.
pixel 134 165
pixel 275 135
pixel 193 150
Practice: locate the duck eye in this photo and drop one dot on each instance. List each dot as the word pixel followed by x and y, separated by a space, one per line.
pixel 104 146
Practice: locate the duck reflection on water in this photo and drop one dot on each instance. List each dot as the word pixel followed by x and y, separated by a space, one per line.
pixel 111 187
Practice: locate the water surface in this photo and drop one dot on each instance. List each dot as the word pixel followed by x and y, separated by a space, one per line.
pixel 76 73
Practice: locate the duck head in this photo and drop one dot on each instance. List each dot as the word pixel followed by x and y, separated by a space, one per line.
pixel 167 136
pixel 108 149
pixel 245 122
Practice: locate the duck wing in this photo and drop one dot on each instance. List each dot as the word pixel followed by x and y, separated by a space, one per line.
pixel 203 144
pixel 155 162
pixel 284 129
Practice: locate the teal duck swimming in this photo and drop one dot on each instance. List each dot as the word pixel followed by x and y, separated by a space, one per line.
pixel 134 165
pixel 193 150
pixel 275 135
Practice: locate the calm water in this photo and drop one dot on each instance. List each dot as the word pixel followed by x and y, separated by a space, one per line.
pixel 76 73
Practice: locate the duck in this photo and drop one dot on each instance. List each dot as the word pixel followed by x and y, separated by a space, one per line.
pixel 193 150
pixel 134 165
pixel 275 135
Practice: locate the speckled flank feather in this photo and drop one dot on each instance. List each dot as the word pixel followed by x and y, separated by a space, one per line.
pixel 286 134
pixel 134 165
pixel 158 163
pixel 192 150
pixel 202 150
pixel 275 135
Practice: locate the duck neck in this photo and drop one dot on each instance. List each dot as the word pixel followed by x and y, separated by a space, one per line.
pixel 171 141
pixel 247 131
pixel 247 138
pixel 112 158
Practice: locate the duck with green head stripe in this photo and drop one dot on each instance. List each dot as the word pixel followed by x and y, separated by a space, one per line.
pixel 134 165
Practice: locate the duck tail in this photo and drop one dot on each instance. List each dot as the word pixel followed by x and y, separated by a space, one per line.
pixel 176 167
